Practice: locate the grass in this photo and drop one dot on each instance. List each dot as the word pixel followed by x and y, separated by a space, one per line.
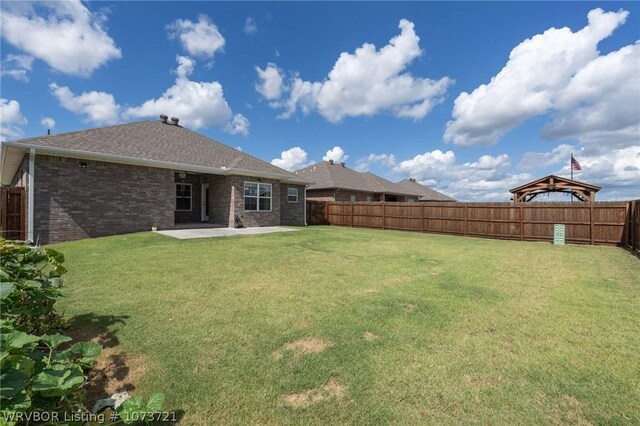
pixel 410 327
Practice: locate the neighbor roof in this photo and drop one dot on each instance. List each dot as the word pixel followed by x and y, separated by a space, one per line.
pixel 426 193
pixel 326 175
pixel 154 143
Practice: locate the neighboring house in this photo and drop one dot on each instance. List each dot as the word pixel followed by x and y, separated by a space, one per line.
pixel 336 182
pixel 426 193
pixel 124 178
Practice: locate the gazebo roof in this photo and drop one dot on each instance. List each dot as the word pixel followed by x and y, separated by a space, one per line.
pixel 552 183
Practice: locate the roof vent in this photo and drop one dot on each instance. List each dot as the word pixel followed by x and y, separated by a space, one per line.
pixel 412 180
pixel 175 120
pixel 342 164
pixel 330 161
pixel 163 118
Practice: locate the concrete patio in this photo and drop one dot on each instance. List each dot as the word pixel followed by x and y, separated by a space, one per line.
pixel 185 234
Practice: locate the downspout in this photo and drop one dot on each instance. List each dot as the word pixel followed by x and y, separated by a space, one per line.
pixel 32 158
pixel 305 205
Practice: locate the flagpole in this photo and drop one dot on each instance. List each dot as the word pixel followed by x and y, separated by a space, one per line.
pixel 571 167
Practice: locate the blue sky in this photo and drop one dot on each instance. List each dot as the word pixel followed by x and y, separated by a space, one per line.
pixel 471 98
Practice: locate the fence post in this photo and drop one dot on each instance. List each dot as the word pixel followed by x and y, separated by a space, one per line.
pixel 384 214
pixel 591 236
pixel 521 222
pixel 421 217
pixel 626 228
pixel 352 214
pixel 466 216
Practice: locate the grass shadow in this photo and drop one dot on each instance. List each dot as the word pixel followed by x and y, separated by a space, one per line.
pixel 95 328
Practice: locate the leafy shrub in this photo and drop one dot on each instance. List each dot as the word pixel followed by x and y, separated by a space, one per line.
pixel 40 372
pixel 30 282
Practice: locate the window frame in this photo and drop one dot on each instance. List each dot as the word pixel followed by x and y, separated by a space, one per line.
pixel 190 197
pixel 257 197
pixel 289 196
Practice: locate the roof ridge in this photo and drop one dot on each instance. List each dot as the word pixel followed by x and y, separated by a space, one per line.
pixel 71 132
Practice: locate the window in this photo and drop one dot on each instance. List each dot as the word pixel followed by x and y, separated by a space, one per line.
pixel 368 198
pixel 353 198
pixel 257 196
pixel 183 197
pixel 292 195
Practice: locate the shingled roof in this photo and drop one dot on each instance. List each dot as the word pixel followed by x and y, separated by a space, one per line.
pixel 155 143
pixel 327 175
pixel 426 193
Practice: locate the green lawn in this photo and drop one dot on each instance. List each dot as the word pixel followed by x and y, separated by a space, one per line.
pixel 397 327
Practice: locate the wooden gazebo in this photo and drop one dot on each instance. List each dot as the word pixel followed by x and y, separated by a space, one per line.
pixel 582 191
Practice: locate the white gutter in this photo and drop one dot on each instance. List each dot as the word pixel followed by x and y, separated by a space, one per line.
pixel 30 188
pixel 121 159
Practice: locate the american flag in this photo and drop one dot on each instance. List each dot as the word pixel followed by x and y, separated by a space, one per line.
pixel 574 164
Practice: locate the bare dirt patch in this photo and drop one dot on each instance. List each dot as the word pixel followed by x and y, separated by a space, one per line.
pixel 114 371
pixel 312 396
pixel 303 347
pixel 369 336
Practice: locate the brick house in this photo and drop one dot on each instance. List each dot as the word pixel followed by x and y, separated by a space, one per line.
pixel 337 182
pixel 128 177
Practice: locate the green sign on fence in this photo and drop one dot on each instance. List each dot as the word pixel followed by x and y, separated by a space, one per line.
pixel 558 234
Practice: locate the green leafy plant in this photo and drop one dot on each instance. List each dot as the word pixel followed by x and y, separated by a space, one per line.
pixel 39 371
pixel 134 409
pixel 30 283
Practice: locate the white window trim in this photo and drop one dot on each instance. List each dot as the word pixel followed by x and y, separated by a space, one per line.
pixel 292 202
pixel 257 197
pixel 190 197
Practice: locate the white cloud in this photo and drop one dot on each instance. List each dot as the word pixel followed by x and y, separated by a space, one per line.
pixel 486 179
pixel 97 107
pixel 271 83
pixel 616 170
pixel 250 26
pixel 238 125
pixel 368 82
pixel 200 38
pixel 10 119
pixel 537 160
pixel 197 104
pixel 66 35
pixel 601 103
pixel 291 159
pixel 363 164
pixel 17 66
pixel 618 173
pixel 426 166
pixel 336 154
pixel 531 83
pixel 48 122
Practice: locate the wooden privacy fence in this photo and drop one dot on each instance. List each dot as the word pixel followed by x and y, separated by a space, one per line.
pixel 613 223
pixel 12 213
pixel 634 225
